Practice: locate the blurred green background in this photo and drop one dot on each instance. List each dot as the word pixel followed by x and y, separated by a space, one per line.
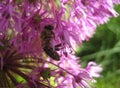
pixel 104 48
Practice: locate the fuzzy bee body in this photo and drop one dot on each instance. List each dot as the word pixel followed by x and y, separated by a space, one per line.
pixel 47 35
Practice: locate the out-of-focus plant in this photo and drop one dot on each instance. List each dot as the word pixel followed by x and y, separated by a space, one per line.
pixel 104 48
pixel 38 39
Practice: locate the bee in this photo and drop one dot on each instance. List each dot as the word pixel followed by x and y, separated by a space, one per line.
pixel 46 36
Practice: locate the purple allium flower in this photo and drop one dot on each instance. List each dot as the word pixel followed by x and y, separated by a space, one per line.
pixel 116 1
pixel 94 69
pixel 27 53
pixel 11 64
pixel 15 64
pixel 70 74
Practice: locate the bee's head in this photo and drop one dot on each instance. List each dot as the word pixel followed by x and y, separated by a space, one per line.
pixel 49 27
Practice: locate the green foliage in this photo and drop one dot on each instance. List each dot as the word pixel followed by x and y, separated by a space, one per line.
pixel 46 73
pixel 104 48
pixel 109 81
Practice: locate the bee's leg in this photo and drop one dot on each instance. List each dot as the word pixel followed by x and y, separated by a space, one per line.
pixel 58 47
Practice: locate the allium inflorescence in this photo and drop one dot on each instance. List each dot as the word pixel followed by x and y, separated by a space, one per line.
pixel 26 56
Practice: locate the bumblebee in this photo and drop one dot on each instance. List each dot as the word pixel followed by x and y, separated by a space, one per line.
pixel 46 36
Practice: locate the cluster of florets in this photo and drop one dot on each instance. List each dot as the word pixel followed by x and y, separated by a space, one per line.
pixel 38 39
